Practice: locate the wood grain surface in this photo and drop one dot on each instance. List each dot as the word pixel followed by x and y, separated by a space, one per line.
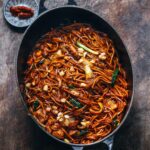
pixel 131 18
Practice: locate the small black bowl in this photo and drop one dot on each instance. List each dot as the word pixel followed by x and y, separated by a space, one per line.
pixel 15 21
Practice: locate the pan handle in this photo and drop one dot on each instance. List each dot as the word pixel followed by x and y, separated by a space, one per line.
pixel 42 8
pixel 71 2
pixel 77 148
pixel 109 142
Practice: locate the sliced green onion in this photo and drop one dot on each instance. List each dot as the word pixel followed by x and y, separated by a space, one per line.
pixel 116 122
pixel 35 104
pixel 75 102
pixel 114 77
pixel 86 48
pixel 82 132
pixel 71 86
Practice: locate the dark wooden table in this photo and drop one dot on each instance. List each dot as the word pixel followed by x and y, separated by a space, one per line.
pixel 131 18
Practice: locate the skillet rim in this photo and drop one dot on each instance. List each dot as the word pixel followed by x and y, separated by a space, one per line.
pixel 132 76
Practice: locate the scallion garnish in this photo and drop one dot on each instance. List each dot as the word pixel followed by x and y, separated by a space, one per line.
pixel 71 86
pixel 35 104
pixel 115 122
pixel 82 132
pixel 86 48
pixel 75 102
pixel 114 77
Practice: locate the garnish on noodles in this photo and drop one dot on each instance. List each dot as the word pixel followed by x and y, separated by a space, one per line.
pixel 75 86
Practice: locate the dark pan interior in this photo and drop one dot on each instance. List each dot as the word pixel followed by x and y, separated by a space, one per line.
pixel 64 16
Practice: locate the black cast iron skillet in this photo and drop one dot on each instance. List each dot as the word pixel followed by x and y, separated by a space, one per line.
pixel 62 16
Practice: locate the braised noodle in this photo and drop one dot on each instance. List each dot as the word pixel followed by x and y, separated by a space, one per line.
pixel 75 86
